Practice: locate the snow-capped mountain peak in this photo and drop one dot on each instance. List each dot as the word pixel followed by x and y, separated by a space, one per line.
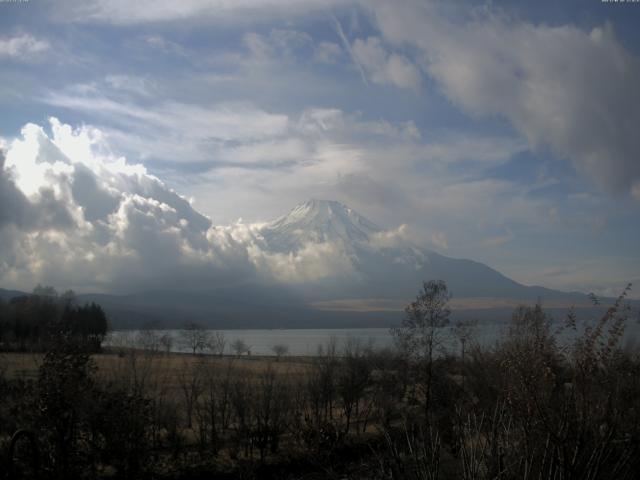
pixel 318 221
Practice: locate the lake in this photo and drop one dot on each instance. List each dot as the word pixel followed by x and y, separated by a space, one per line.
pixel 302 342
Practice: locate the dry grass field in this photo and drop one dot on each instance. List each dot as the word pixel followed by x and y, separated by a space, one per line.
pixel 169 368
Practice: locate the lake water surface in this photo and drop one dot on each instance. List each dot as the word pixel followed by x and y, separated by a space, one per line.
pixel 302 342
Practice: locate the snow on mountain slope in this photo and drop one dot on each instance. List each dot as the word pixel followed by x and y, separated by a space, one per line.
pixel 383 269
pixel 367 245
pixel 318 221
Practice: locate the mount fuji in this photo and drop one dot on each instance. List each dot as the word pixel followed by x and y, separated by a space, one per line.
pixel 384 267
pixel 319 221
pixel 346 272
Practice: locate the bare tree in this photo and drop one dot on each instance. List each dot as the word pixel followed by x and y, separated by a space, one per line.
pixel 421 330
pixel 148 338
pixel 134 366
pixel 239 347
pixel 353 378
pixel 214 411
pixel 321 384
pixel 280 350
pixel 166 341
pixel 270 411
pixel 216 343
pixel 242 402
pixel 191 381
pixel 463 331
pixel 194 337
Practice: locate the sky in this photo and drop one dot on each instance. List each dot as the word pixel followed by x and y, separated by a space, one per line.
pixel 154 135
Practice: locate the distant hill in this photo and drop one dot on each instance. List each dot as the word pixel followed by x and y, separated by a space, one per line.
pixel 9 294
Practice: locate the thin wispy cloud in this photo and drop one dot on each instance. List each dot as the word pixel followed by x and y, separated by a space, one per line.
pixel 346 44
pixel 383 67
pixel 23 47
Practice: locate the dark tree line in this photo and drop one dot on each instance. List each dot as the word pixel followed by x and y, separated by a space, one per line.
pixel 30 322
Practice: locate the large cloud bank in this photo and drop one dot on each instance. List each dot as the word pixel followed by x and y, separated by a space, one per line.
pixel 74 214
pixel 563 88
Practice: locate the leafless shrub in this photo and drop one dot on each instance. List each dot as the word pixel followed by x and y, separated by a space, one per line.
pixel 271 412
pixel 353 379
pixel 216 343
pixel 194 337
pixel 191 381
pixel 280 350
pixel 411 453
pixel 214 409
pixel 239 347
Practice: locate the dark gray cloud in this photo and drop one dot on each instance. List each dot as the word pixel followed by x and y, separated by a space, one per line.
pixel 49 211
pixel 13 204
pixel 96 202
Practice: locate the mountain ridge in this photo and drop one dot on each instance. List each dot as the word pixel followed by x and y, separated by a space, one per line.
pixel 319 221
pixel 392 272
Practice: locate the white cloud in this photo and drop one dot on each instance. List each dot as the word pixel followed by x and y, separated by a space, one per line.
pixel 385 68
pixel 88 219
pixel 128 83
pixel 228 135
pixel 327 52
pixel 177 131
pixel 23 46
pixel 124 12
pixel 439 240
pixel 258 45
pixel 314 261
pixel 482 150
pixel 104 224
pixel 278 160
pixel 288 40
pixel 87 216
pixel 563 88
pixel 225 122
pixel 391 238
pixel 279 44
pixel 499 240
pixel 167 46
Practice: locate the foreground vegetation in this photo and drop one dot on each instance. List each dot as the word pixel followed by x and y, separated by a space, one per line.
pixel 526 408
